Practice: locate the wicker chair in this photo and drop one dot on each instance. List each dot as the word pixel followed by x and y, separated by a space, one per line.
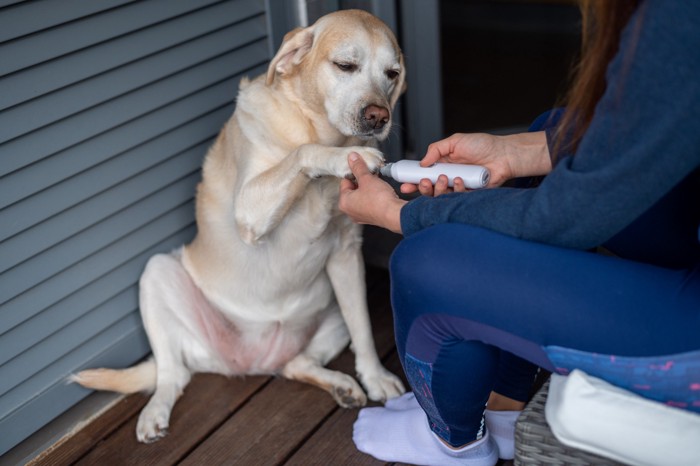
pixel 535 445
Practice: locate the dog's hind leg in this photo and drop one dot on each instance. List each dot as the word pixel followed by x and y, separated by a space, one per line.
pixel 167 295
pixel 328 341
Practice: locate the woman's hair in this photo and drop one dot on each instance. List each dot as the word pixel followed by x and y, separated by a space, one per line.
pixel 602 24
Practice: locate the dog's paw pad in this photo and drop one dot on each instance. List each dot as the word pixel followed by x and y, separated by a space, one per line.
pixel 348 398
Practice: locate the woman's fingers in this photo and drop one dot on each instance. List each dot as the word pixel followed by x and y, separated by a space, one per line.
pixel 426 188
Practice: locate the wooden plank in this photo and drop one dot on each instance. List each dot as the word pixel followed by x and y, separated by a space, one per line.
pixel 68 451
pixel 267 428
pixel 208 400
pixel 332 442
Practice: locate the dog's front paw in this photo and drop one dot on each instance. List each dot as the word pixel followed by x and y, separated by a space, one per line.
pixel 382 385
pixel 153 423
pixel 348 393
pixel 372 157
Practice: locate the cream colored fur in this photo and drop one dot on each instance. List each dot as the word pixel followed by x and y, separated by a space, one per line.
pixel 273 283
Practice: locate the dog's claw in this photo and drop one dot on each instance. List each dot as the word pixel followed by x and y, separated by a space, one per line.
pixel 382 386
pixel 159 434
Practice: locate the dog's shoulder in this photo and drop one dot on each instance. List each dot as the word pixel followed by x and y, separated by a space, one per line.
pixel 270 116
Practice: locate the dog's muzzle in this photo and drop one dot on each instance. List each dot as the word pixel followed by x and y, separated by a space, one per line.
pixel 374 118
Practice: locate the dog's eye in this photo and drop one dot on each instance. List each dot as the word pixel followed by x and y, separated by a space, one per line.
pixel 347 67
pixel 392 74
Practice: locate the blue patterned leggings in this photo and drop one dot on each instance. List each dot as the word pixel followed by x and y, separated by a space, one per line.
pixel 477 311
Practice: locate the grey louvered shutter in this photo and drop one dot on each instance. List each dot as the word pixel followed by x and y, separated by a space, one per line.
pixel 106 110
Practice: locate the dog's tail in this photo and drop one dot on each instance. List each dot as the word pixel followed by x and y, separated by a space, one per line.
pixel 139 378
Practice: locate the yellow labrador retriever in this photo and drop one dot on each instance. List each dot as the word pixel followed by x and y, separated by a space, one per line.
pixel 274 281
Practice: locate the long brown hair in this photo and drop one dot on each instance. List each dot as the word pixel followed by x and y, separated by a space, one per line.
pixel 602 24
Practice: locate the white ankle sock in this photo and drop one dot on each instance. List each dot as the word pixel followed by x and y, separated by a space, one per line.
pixel 405 401
pixel 404 436
pixel 501 425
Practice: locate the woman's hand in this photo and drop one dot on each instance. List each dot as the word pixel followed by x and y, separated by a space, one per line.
pixel 506 157
pixel 369 200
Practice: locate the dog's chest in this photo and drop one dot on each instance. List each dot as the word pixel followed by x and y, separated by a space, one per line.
pixel 312 217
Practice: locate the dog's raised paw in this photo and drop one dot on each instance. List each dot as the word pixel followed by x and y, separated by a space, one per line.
pixel 373 158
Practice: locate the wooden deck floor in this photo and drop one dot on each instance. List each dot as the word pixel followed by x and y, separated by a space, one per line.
pixel 241 421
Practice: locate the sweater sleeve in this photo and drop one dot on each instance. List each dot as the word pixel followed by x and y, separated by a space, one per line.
pixel 643 140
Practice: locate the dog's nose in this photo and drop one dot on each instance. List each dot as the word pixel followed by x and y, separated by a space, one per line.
pixel 376 117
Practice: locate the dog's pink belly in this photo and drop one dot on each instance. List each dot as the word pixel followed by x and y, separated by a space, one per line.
pixel 264 350
pixel 260 353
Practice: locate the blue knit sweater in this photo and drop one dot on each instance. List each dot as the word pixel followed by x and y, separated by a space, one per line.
pixel 643 142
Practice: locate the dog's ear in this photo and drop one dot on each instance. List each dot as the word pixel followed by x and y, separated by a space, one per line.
pixel 295 46
pixel 401 84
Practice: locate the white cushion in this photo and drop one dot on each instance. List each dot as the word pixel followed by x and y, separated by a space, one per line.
pixel 588 413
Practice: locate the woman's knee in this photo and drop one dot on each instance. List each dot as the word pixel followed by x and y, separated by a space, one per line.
pixel 443 251
pixel 421 247
pixel 426 268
